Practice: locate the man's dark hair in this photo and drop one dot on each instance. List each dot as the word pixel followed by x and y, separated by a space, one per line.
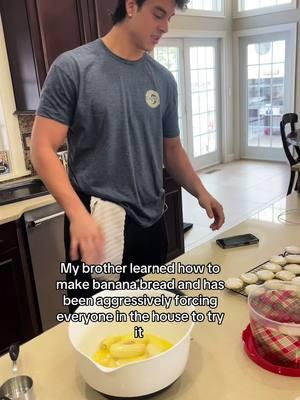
pixel 120 12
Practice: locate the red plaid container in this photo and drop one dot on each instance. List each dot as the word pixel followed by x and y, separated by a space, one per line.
pixel 275 323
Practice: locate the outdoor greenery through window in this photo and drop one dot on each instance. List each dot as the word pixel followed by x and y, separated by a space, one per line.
pixel 207 5
pixel 246 5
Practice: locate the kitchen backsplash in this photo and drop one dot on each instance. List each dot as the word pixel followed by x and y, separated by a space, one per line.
pixel 26 123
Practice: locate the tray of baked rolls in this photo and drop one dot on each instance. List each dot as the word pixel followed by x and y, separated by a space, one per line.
pixel 284 267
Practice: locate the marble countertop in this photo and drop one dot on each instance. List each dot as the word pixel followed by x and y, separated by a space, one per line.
pixel 13 211
pixel 217 368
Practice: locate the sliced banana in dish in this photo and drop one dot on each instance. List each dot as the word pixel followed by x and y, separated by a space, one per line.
pixel 234 283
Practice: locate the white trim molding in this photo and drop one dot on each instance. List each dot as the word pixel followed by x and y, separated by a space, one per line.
pixel 226 81
pixel 239 13
pixel 292 28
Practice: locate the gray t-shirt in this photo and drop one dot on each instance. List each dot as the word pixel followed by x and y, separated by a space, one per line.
pixel 118 112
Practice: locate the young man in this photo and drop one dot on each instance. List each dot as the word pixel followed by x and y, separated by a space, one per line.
pixel 118 109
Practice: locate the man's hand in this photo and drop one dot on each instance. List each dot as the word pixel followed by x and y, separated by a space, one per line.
pixel 179 167
pixel 87 240
pixel 213 210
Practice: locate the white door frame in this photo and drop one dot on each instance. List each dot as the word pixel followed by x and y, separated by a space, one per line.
pixel 237 120
pixel 227 150
pixel 169 42
pixel 207 159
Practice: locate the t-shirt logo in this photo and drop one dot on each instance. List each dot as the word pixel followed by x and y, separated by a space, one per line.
pixel 152 99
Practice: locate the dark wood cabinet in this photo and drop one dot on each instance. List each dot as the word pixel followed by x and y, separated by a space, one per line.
pixel 37 31
pixel 174 217
pixel 56 26
pixel 18 312
pixel 101 12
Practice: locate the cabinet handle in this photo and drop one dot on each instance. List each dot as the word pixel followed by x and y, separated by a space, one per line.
pixel 5 262
pixel 37 222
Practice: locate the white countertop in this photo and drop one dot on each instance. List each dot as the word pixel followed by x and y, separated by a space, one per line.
pixel 218 368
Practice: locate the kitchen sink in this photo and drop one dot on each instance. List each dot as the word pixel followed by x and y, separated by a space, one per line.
pixel 24 190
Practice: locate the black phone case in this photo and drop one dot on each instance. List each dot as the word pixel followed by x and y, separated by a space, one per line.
pixel 249 241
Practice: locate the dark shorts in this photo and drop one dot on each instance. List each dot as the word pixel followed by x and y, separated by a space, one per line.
pixel 142 246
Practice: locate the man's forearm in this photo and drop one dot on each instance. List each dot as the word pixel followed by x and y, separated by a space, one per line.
pixel 53 174
pixel 179 167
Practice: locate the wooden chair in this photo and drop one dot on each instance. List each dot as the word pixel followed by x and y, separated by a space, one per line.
pixel 294 160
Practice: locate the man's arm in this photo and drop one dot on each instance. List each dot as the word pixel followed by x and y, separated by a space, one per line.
pixel 179 167
pixel 86 237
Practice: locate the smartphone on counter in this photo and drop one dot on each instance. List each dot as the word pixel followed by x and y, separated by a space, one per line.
pixel 237 241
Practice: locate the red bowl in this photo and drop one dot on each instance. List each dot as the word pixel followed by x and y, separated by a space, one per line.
pixel 252 353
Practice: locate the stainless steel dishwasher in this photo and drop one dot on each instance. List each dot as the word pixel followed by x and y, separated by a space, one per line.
pixel 45 234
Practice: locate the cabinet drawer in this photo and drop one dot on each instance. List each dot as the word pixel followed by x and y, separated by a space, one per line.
pixel 8 236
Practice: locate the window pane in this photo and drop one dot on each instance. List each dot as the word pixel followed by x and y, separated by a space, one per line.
pixel 253 55
pixel 212 142
pixel 203 102
pixel 196 125
pixel 257 4
pixel 169 57
pixel 278 70
pixel 279 51
pixel 266 95
pixel 210 79
pixel 253 74
pixel 194 58
pixel 203 123
pixel 211 101
pixel 204 144
pixel 195 103
pixel 265 52
pixel 203 82
pixel 202 79
pixel 201 57
pixel 211 122
pixel 210 57
pixel 208 5
pixel 197 146
pixel 265 71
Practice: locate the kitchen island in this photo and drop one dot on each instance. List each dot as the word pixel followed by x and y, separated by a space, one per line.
pixel 218 368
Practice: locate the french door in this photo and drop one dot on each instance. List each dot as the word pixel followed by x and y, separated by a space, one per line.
pixel 266 83
pixel 194 64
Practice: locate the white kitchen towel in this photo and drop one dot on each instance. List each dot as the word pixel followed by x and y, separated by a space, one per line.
pixel 111 218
